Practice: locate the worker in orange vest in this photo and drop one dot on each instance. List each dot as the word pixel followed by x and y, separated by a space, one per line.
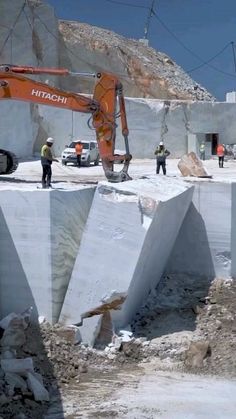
pixel 220 151
pixel 78 150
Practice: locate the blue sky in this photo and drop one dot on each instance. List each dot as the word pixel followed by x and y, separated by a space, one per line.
pixel 191 32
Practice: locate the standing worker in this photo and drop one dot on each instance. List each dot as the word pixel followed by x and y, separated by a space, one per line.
pixel 220 151
pixel 46 161
pixel 202 151
pixel 161 154
pixel 78 150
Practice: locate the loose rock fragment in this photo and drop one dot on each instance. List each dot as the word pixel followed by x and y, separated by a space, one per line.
pixel 39 391
pixel 191 165
pixel 196 354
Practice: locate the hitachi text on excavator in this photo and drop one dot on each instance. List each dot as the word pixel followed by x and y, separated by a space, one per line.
pixel 106 105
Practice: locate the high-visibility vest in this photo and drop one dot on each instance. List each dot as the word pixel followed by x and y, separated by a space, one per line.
pixel 202 148
pixel 46 154
pixel 220 150
pixel 78 148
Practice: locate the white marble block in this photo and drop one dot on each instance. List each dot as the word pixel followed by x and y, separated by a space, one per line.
pixel 129 235
pixel 40 233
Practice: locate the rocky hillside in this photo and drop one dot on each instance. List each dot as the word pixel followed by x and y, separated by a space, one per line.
pixel 37 38
pixel 143 71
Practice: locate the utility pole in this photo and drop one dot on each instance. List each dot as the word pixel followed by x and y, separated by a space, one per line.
pixel 232 44
pixel 150 14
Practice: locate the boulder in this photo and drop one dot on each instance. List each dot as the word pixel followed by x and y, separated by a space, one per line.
pixel 37 388
pixel 196 353
pixel 191 165
pixel 17 366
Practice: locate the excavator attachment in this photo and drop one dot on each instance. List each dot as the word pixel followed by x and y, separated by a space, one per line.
pixel 108 93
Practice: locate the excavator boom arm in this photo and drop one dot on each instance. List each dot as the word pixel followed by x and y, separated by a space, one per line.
pixel 103 107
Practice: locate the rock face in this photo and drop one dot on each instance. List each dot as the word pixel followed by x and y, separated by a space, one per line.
pixel 38 39
pixel 143 71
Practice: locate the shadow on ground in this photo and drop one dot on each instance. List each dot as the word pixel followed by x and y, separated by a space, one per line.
pixel 172 307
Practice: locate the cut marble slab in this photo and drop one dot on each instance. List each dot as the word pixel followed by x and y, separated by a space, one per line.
pixel 40 233
pixel 130 232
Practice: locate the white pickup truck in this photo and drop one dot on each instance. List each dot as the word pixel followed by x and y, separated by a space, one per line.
pixel 90 154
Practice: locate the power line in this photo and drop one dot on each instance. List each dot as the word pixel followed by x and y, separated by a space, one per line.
pixel 190 51
pixel 232 44
pixel 150 14
pixel 127 4
pixel 67 48
pixel 55 37
pixel 210 59
pixel 12 28
pixel 122 74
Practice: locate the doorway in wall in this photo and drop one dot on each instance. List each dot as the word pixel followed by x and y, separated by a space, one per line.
pixel 212 140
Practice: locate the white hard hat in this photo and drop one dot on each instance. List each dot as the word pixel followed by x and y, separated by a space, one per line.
pixel 50 140
pixel 161 143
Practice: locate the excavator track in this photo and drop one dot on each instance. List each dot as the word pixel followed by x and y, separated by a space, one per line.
pixel 8 162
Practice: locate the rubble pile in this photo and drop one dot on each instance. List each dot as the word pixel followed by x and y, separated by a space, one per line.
pixel 190 324
pixel 187 324
pixel 37 360
pixel 58 346
pixel 21 386
pixel 216 321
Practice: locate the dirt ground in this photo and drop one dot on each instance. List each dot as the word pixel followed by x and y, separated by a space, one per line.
pixel 180 364
pixel 156 379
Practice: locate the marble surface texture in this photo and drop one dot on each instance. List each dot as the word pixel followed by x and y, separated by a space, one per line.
pixel 128 237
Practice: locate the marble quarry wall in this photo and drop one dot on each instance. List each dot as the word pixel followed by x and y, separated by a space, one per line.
pixel 40 233
pixel 26 126
pixel 205 244
pixel 76 255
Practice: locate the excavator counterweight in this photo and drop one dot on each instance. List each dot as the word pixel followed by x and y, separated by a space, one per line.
pixel 108 93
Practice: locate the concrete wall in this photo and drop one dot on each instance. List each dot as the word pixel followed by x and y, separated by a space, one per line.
pixel 149 121
pixel 40 233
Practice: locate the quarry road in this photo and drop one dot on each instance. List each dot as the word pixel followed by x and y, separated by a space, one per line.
pixel 28 175
pixel 146 393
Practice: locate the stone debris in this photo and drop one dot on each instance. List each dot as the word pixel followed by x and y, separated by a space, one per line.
pixel 35 384
pixel 125 335
pixel 20 384
pixel 196 353
pixel 168 331
pixel 191 165
pixel 17 366
pixel 15 381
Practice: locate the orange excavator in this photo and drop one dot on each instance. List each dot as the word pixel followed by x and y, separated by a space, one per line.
pixel 102 107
